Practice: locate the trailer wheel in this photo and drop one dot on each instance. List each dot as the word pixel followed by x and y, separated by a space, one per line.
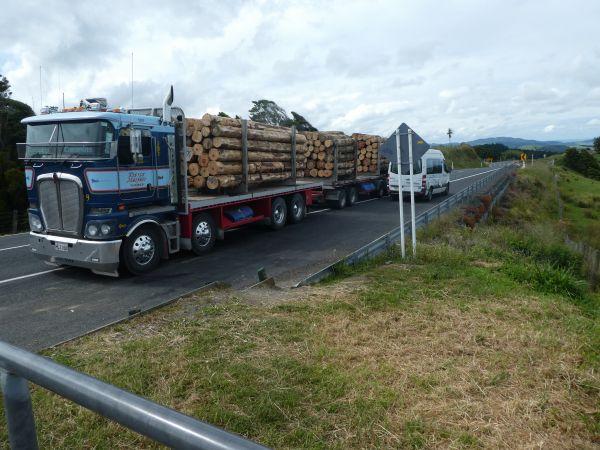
pixel 352 195
pixel 141 251
pixel 380 189
pixel 296 208
pixel 204 233
pixel 340 201
pixel 278 214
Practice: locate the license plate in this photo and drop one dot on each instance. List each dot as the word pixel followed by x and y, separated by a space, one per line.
pixel 61 246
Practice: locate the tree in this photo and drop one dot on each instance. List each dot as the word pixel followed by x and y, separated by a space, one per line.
pixel 268 112
pixel 449 133
pixel 583 162
pixel 4 87
pixel 12 184
pixel 597 145
pixel 223 114
pixel 300 123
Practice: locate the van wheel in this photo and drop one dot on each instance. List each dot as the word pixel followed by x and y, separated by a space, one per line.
pixel 141 251
pixel 278 214
pixel 429 195
pixel 204 233
pixel 296 208
pixel 352 196
pixel 447 191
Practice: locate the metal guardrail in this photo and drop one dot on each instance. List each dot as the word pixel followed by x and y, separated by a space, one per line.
pixel 384 242
pixel 145 417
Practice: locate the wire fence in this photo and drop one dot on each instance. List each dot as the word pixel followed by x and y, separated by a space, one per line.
pixel 387 240
pixel 13 222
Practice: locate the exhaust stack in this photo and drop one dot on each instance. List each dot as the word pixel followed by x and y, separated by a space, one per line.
pixel 166 117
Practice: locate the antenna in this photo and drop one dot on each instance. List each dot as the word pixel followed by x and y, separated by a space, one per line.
pixel 41 100
pixel 131 80
pixel 63 100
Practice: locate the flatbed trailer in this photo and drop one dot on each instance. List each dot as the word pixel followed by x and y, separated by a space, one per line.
pixel 264 203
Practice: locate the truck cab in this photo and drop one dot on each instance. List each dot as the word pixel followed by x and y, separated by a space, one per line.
pixel 102 188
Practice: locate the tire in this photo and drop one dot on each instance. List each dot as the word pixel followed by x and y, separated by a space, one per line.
pixel 278 214
pixel 351 196
pixel 381 189
pixel 429 195
pixel 296 208
pixel 340 202
pixel 447 191
pixel 204 233
pixel 141 251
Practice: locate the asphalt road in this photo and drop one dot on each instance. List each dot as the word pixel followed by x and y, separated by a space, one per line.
pixel 41 305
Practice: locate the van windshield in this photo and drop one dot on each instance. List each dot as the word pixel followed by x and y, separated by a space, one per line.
pixel 406 168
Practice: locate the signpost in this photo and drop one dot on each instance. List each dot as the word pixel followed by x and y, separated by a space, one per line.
pixel 405 145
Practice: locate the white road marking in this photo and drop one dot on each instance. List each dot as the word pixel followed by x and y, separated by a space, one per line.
pixel 475 175
pixel 30 275
pixel 319 211
pixel 12 248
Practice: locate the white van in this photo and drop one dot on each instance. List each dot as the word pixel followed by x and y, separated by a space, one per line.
pixel 430 176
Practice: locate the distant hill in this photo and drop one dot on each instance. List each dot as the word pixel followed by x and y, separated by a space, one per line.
pixel 524 144
pixel 530 144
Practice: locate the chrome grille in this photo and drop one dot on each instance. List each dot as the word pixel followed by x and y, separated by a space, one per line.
pixel 69 202
pixel 60 203
pixel 49 204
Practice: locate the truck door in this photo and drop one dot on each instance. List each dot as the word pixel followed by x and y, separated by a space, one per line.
pixel 136 164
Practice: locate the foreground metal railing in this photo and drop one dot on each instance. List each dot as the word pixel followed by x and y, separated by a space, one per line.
pixel 384 242
pixel 147 418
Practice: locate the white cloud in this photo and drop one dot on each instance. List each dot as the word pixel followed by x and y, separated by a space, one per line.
pixel 549 128
pixel 358 66
pixel 593 122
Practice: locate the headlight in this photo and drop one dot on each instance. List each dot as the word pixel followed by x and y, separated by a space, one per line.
pixel 35 223
pixel 92 230
pixel 98 229
pixel 105 229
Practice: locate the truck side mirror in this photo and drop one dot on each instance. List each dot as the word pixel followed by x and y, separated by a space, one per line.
pixel 136 145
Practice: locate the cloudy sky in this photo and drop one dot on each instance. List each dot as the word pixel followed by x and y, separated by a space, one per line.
pixel 484 68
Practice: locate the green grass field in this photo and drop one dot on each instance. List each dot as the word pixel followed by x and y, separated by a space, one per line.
pixel 463 156
pixel 489 338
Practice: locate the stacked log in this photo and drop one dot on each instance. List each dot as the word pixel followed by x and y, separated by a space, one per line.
pixel 368 153
pixel 215 153
pixel 320 153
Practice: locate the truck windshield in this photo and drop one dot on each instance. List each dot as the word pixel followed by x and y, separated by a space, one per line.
pixel 406 168
pixel 68 140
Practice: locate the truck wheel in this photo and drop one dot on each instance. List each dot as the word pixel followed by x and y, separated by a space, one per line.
pixel 429 195
pixel 351 195
pixel 296 208
pixel 278 214
pixel 204 233
pixel 141 251
pixel 340 201
pixel 380 189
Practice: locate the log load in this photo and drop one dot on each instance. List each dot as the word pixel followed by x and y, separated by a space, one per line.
pixel 320 150
pixel 215 145
pixel 368 153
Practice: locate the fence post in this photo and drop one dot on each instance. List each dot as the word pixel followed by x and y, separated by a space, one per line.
pixel 15 221
pixel 19 412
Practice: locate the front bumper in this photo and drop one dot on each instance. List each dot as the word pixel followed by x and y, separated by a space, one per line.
pixel 100 256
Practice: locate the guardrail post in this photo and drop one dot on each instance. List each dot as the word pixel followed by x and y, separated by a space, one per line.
pixel 19 412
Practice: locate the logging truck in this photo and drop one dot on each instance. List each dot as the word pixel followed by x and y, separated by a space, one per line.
pixel 123 189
